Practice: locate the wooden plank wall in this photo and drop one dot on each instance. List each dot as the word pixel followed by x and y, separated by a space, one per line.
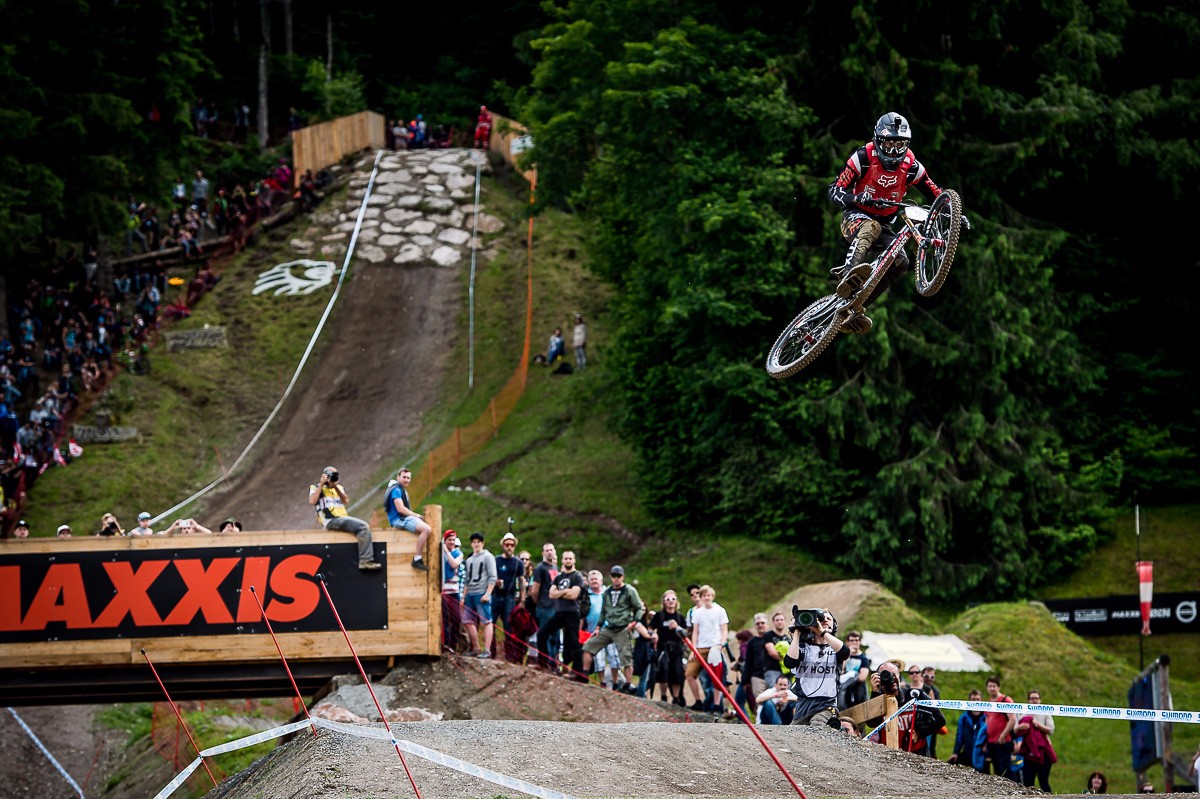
pixel 414 618
pixel 504 130
pixel 326 143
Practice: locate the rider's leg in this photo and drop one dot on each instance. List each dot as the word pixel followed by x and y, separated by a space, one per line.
pixel 862 232
pixel 895 272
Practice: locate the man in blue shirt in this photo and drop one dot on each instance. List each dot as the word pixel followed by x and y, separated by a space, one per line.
pixel 401 516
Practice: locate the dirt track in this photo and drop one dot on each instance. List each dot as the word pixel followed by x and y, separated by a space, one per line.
pixel 362 397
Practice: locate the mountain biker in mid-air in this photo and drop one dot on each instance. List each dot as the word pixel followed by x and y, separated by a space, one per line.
pixel 884 168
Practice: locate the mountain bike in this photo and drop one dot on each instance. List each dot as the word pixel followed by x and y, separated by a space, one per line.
pixel 934 228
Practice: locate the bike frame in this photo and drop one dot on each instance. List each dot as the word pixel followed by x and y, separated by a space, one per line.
pixel 912 215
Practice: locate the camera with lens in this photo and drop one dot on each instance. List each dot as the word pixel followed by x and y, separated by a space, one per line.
pixel 887 681
pixel 331 477
pixel 112 528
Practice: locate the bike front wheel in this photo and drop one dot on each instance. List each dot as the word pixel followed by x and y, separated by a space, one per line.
pixel 808 335
pixel 939 243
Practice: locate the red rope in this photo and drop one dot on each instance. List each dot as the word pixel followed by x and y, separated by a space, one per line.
pixel 286 667
pixel 179 717
pixel 363 672
pixel 712 675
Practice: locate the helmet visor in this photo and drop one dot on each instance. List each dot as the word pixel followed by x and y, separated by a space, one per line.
pixel 894 148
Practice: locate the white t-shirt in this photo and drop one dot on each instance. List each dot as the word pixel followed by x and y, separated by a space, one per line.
pixel 708 622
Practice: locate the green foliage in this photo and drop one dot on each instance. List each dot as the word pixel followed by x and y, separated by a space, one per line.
pixel 340 95
pixel 969 446
pixel 134 719
pixel 75 135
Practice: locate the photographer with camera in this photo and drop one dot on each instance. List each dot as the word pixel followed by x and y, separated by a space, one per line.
pixel 329 498
pixel 927 720
pixel 815 657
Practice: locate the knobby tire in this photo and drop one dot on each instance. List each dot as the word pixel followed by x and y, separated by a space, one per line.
pixel 806 337
pixel 931 271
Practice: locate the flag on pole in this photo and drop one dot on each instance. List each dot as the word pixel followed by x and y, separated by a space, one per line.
pixel 1145 570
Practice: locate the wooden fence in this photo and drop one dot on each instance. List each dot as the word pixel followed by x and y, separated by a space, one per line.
pixel 506 132
pixel 326 143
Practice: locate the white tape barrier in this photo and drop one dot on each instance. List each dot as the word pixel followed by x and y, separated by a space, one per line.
pixel 375 733
pixel 37 741
pixel 1077 711
pixel 902 708
pixel 312 342
pixel 445 760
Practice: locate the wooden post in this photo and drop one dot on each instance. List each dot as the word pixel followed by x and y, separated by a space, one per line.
pixel 893 726
pixel 433 589
pixel 1164 703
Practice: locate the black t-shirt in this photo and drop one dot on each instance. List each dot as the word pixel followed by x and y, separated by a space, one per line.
pixel 668 638
pixel 756 659
pixel 563 582
pixel 543 575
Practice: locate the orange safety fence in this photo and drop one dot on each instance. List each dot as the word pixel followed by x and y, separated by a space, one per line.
pixel 465 442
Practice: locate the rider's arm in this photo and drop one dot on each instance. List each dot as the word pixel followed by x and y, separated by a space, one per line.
pixel 841 191
pixel 918 178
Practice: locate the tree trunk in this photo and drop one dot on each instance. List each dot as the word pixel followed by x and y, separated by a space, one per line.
pixel 287 26
pixel 264 53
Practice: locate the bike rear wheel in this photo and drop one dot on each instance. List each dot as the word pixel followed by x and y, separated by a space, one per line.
pixel 941 230
pixel 808 335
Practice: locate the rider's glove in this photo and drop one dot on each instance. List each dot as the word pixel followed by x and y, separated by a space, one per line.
pixel 966 223
pixel 866 199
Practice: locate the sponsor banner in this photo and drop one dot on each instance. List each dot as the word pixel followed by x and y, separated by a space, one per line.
pixel 1122 615
pixel 162 592
pixel 1077 711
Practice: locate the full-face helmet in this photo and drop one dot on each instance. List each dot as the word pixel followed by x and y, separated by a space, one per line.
pixel 892 136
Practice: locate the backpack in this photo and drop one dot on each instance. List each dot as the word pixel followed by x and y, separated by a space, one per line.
pixel 585 603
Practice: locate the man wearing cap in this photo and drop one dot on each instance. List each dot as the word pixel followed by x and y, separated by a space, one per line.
pixel 621 609
pixel 21 530
pixel 329 498
pixel 477 596
pixel 510 572
pixel 143 525
pixel 402 517
pixel 452 558
pixel 64 531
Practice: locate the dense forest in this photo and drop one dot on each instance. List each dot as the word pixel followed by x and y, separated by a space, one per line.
pixel 966 448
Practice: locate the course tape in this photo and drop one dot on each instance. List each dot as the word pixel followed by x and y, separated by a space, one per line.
pixel 903 708
pixel 312 342
pixel 358 731
pixel 1078 711
pixel 443 759
pixel 179 779
pixel 254 740
pixel 37 741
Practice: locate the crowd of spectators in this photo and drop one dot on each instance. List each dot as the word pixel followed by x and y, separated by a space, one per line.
pixel 62 344
pixel 200 211
pixel 569 623
pixel 416 134
pixel 67 333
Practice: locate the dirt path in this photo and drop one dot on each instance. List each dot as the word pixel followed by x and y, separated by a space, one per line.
pixel 77 741
pixel 357 408
pixel 383 357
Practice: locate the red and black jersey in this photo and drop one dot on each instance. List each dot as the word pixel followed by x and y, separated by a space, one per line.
pixel 864 173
